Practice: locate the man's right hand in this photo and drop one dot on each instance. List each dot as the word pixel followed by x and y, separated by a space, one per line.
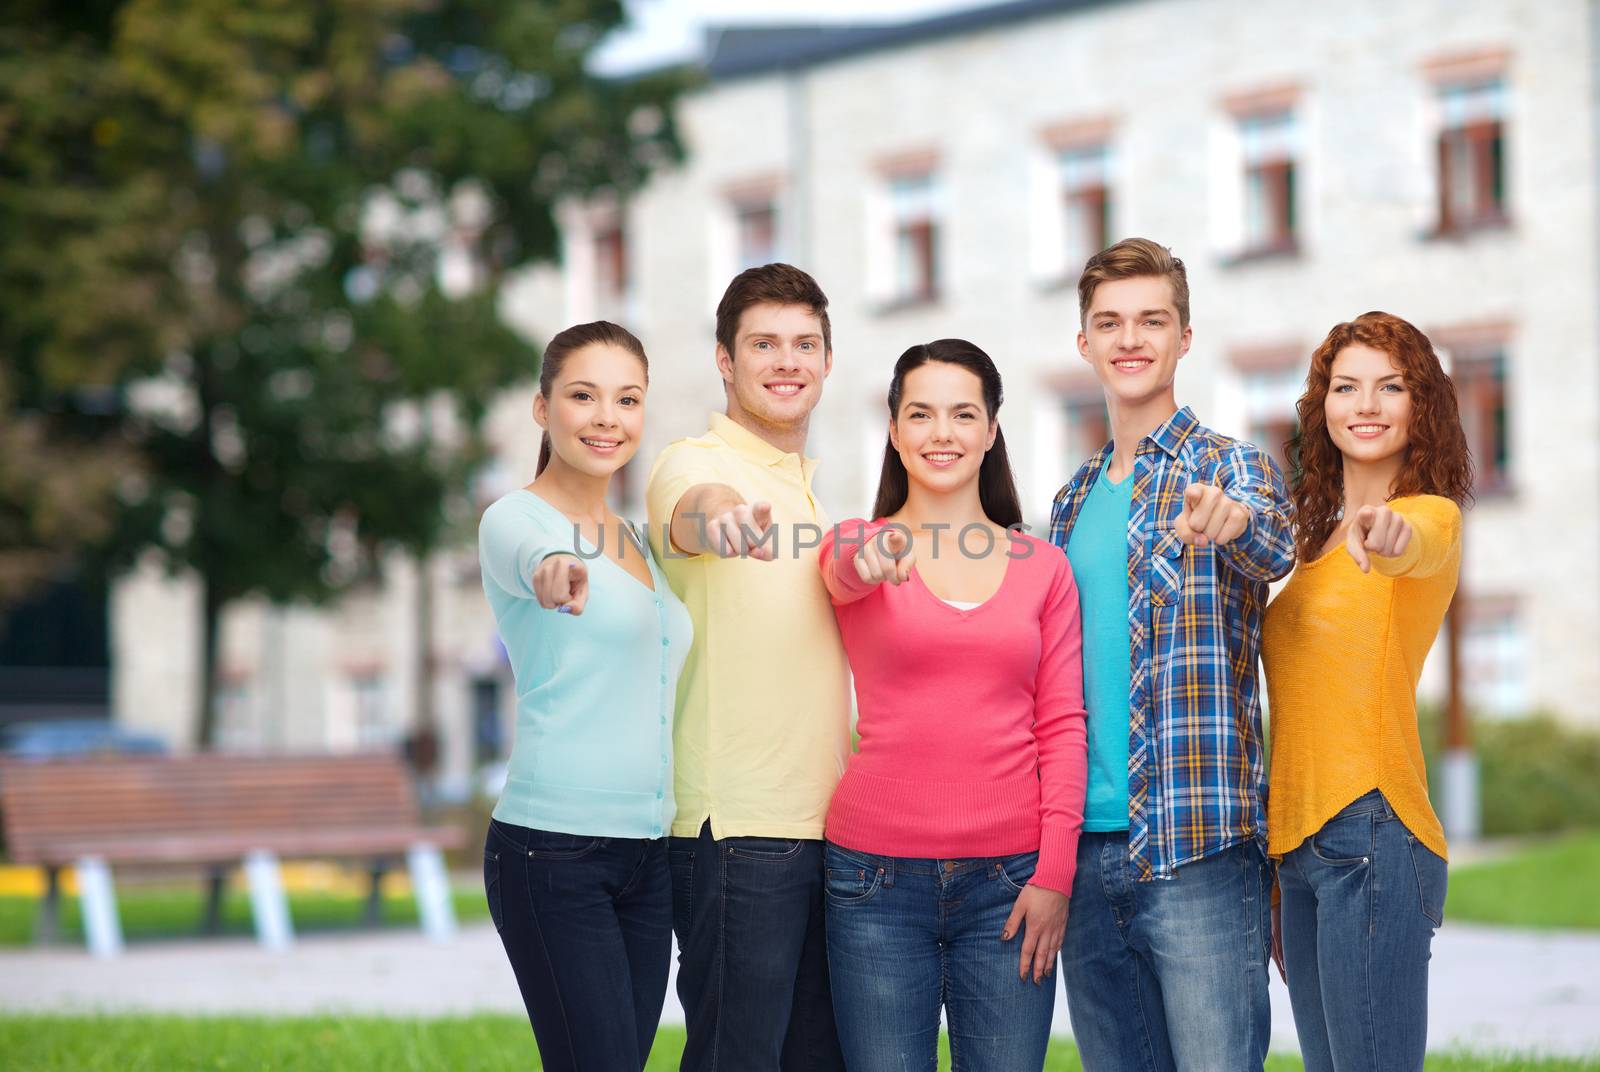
pixel 561 583
pixel 886 556
pixel 743 531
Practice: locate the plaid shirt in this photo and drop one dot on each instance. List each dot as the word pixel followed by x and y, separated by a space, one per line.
pixel 1196 778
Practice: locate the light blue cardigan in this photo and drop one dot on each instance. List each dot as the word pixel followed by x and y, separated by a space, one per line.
pixel 595 692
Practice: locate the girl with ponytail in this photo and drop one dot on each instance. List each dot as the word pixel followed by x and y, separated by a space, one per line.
pixel 575 861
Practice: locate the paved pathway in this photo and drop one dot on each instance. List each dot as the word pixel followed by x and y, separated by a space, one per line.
pixel 1492 989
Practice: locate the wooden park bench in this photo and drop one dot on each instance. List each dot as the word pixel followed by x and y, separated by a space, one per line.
pixel 217 812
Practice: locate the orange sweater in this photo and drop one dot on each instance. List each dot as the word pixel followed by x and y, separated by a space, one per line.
pixel 1343 651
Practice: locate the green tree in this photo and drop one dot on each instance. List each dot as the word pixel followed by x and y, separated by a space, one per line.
pixel 251 253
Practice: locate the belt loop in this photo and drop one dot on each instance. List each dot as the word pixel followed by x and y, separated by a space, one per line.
pixel 886 865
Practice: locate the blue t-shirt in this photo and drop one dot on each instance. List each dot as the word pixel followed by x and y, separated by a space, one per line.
pixel 1098 551
pixel 595 692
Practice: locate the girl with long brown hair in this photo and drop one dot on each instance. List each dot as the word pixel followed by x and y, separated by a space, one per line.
pixel 1381 473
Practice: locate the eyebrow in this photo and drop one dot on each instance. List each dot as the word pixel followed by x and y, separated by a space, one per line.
pixel 1103 313
pixel 776 335
pixel 958 405
pixel 1381 379
pixel 586 383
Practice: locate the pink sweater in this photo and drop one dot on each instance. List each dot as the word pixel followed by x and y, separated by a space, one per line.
pixel 971 722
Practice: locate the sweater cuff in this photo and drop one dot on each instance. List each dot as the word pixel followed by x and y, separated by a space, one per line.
pixel 1058 859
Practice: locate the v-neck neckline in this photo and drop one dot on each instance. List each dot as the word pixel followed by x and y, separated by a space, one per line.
pixel 994 596
pixel 594 552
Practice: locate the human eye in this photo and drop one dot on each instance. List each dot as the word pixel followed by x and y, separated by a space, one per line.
pixel 582 396
pixel 630 400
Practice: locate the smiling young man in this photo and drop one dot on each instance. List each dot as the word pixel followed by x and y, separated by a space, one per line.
pixel 1173 532
pixel 762 728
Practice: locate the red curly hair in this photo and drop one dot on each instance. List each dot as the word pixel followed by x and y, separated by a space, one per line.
pixel 1437 461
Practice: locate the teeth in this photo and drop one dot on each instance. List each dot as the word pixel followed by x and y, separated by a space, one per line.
pixel 1368 427
pixel 784 389
pixel 1131 364
pixel 941 457
pixel 600 442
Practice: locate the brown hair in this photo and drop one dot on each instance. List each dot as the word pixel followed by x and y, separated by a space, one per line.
pixel 568 342
pixel 1437 461
pixel 1129 259
pixel 779 284
pixel 997 489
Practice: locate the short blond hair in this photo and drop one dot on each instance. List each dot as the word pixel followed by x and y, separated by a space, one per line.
pixel 1129 259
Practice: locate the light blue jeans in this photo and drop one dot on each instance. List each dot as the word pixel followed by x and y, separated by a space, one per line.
pixel 909 936
pixel 1168 974
pixel 1361 900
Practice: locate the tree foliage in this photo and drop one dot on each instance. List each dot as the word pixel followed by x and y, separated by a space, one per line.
pixel 251 257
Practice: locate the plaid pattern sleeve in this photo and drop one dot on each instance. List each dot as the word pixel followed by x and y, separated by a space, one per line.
pixel 1196 770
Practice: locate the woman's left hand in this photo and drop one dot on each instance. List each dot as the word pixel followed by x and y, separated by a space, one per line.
pixel 1042 915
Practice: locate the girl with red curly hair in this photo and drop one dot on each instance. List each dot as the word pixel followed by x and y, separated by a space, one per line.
pixel 1381 473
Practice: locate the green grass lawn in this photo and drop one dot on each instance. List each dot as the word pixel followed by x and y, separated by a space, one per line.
pixel 488 1043
pixel 140 1043
pixel 167 913
pixel 1550 885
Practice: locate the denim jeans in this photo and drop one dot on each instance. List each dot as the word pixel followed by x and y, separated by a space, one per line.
pixel 1172 973
pixel 587 924
pixel 752 954
pixel 909 936
pixel 1361 900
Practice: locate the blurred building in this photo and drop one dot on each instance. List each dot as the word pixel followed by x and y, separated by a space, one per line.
pixel 1436 159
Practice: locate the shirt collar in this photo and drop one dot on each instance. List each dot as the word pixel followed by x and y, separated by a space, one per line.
pixel 753 446
pixel 1170 436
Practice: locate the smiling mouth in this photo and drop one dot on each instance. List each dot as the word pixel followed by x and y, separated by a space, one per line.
pixel 599 444
pixel 785 390
pixel 941 457
pixel 1368 431
pixel 1133 364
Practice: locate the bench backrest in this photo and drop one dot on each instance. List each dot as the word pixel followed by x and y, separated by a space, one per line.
pixel 112 797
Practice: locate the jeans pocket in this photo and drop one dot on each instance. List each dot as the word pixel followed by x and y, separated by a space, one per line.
pixel 765 848
pixel 1343 841
pixel 554 845
pixel 1017 871
pixel 1433 878
pixel 491 887
pixel 851 884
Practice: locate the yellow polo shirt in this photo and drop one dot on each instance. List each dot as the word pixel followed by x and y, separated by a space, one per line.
pixel 763 717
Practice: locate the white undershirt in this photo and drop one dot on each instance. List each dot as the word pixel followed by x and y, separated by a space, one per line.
pixel 961 605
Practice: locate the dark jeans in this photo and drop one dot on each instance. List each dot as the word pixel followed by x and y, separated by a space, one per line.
pixel 752 955
pixel 587 923
pixel 1168 974
pixel 907 937
pixel 1361 900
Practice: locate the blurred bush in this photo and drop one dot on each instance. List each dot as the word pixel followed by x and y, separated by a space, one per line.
pixel 1538 775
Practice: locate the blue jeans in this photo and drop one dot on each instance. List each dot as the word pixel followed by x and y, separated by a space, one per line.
pixel 1172 973
pixel 1361 900
pixel 752 955
pixel 907 936
pixel 587 924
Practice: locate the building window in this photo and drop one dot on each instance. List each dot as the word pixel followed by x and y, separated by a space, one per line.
pixel 611 268
pixel 1271 421
pixel 755 225
pixel 912 206
pixel 1494 658
pixel 1267 142
pixel 373 726
pixel 1086 203
pixel 1471 155
pixel 1088 423
pixel 1480 380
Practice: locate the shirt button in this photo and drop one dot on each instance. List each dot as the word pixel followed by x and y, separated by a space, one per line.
pixel 664 642
pixel 660 795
